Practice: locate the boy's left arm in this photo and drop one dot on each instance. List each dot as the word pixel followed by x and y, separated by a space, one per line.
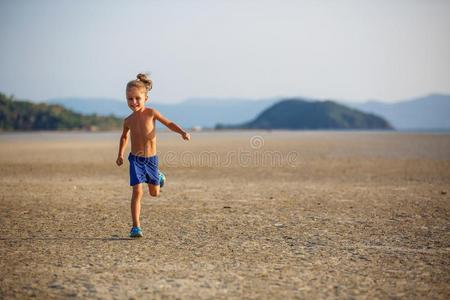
pixel 171 125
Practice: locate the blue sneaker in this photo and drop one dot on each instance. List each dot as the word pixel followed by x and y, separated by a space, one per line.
pixel 136 232
pixel 162 179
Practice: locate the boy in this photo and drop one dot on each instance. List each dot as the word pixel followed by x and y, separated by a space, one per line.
pixel 143 160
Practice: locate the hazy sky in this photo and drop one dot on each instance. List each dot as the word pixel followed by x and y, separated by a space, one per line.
pixel 355 50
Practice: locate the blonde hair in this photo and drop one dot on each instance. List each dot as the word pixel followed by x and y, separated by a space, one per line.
pixel 142 81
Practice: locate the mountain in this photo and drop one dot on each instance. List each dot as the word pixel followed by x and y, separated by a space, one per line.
pixel 428 112
pixel 25 115
pixel 99 106
pixel 190 113
pixel 301 114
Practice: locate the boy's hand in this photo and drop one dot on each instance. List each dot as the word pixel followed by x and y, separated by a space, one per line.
pixel 119 161
pixel 186 136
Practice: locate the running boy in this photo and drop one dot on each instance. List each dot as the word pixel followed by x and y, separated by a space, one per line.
pixel 143 159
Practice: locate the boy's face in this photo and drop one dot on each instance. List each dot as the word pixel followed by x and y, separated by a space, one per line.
pixel 136 98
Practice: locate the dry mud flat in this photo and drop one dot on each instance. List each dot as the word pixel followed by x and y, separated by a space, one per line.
pixel 254 215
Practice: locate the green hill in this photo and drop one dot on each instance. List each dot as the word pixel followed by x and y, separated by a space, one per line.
pixel 301 114
pixel 24 115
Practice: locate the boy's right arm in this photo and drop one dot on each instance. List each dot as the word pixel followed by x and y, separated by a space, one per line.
pixel 123 143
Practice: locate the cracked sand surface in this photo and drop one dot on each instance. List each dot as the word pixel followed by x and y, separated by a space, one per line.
pixel 355 215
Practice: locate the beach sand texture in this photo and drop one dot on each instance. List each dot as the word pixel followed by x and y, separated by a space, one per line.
pixel 254 215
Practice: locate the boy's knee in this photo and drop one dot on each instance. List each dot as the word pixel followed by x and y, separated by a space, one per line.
pixel 138 191
pixel 154 193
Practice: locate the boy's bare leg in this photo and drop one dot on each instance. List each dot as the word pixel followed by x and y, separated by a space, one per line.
pixel 153 189
pixel 136 204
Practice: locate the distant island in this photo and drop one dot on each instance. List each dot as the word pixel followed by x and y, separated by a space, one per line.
pixel 429 112
pixel 24 115
pixel 295 114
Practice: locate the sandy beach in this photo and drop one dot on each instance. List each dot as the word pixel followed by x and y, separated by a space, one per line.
pixel 244 215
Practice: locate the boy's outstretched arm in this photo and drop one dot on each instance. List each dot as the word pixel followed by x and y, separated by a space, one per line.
pixel 172 126
pixel 123 143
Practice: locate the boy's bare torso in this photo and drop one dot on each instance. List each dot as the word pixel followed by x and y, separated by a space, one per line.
pixel 142 132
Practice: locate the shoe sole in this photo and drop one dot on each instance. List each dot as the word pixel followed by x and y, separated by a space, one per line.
pixel 137 236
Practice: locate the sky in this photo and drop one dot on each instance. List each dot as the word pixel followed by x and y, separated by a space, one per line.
pixel 323 49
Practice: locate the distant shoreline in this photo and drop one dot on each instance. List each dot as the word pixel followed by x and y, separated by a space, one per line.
pixel 75 131
pixel 109 134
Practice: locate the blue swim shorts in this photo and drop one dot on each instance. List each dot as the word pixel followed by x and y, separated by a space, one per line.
pixel 143 169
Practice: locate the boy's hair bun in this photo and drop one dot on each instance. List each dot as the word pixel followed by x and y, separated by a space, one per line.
pixel 145 80
pixel 142 81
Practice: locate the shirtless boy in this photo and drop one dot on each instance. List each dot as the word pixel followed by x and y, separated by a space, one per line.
pixel 143 159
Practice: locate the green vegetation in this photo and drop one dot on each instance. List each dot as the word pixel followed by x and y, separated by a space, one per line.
pixel 301 114
pixel 24 115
